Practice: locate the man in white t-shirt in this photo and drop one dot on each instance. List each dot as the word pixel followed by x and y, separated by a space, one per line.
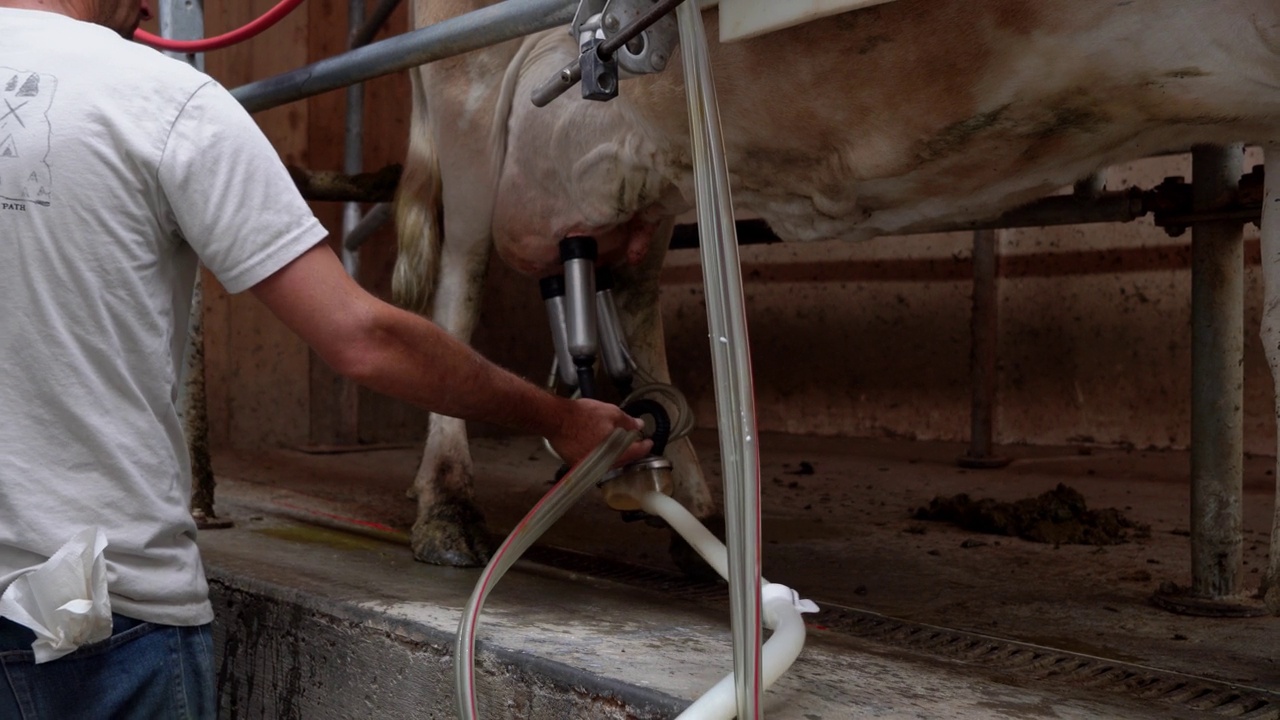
pixel 119 168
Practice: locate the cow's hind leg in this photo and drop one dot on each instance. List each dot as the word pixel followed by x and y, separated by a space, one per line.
pixel 1271 344
pixel 450 529
pixel 640 312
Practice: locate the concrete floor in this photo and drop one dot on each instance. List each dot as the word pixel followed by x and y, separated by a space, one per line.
pixel 843 535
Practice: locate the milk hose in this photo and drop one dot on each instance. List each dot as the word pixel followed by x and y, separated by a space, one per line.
pixel 730 358
pixel 781 606
pixel 583 477
pixel 240 34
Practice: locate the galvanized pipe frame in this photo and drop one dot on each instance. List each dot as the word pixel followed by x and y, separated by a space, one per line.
pixel 348 426
pixel 984 340
pixel 475 30
pixel 1163 203
pixel 353 141
pixel 364 34
pixel 1111 207
pixel 356 228
pixel 1217 396
pixel 184 20
pixel 1169 204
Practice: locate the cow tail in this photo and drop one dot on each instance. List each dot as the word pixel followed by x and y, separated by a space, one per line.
pixel 419 215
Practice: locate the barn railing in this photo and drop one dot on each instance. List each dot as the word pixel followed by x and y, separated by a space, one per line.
pixel 475 30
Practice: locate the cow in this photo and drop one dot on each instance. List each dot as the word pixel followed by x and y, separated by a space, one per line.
pixel 878 121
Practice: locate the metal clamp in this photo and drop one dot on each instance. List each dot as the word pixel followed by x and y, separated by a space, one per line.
pixel 644 48
pixel 640 33
pixel 599 75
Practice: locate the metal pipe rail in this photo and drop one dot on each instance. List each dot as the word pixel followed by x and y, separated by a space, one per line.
pixel 1056 210
pixel 462 34
pixel 1168 211
pixel 365 33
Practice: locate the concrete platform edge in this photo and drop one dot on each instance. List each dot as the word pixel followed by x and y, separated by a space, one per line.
pixel 287 671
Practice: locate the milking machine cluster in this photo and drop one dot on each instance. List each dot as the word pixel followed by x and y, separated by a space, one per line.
pixel 617 38
pixel 581 309
pixel 584 327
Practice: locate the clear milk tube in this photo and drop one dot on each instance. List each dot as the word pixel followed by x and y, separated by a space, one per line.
pixel 731 359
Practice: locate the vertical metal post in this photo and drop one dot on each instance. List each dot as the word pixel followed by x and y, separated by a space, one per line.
pixel 352 163
pixel 353 140
pixel 1217 393
pixel 184 20
pixel 195 417
pixel 984 337
pixel 1270 243
pixel 373 24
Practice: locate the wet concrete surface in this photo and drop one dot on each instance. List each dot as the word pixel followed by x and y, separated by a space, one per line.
pixel 842 534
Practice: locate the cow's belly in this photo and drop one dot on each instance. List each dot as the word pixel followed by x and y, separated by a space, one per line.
pixel 850 159
pixel 803 203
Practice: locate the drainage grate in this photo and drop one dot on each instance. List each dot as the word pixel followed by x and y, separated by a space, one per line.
pixel 1011 657
pixel 1058 666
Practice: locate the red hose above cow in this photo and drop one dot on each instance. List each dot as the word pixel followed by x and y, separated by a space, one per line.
pixel 227 39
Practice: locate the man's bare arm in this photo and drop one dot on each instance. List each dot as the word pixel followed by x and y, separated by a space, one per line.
pixel 403 355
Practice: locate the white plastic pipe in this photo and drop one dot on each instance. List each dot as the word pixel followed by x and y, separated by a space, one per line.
pixel 694 532
pixel 778 653
pixel 781 610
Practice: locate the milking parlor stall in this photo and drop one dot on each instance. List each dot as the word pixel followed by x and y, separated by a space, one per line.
pixel 953 324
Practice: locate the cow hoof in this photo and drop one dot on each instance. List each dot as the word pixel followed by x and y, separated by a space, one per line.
pixel 452 534
pixel 688 560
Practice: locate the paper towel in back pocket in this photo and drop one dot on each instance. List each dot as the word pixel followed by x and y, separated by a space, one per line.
pixel 64 600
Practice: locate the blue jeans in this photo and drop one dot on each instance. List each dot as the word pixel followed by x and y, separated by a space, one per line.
pixel 142 671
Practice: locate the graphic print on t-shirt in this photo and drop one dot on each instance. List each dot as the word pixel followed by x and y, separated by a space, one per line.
pixel 25 175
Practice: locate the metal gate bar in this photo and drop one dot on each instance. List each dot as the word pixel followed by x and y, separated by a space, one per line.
pixel 475 30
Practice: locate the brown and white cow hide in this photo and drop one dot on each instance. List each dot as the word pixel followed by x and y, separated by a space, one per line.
pixel 873 122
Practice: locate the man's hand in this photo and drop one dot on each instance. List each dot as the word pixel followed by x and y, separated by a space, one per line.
pixel 587 423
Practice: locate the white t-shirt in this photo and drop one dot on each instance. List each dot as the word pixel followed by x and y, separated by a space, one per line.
pixel 118 167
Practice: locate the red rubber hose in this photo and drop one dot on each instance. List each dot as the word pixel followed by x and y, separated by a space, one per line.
pixel 271 17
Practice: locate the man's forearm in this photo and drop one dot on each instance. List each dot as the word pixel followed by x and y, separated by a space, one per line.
pixel 408 357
